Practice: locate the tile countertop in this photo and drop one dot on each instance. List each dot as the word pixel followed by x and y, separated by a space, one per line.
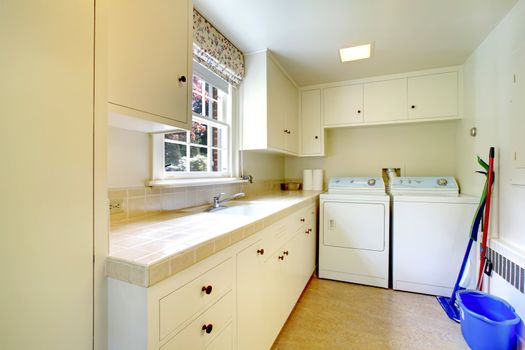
pixel 148 250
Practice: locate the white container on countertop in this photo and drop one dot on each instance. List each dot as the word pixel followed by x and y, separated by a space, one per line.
pixel 317 179
pixel 307 179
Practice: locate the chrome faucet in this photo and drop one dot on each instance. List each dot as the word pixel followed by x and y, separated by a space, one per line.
pixel 217 199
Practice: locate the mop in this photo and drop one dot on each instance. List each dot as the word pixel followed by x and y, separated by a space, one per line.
pixel 483 249
pixel 449 303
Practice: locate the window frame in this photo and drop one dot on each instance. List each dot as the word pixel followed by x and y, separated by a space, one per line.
pixel 230 126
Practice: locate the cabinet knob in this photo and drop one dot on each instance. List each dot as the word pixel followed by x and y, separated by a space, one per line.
pixel 260 251
pixel 289 132
pixel 358 111
pixel 280 257
pixel 207 328
pixel 302 219
pixel 310 230
pixel 316 137
pixel 307 231
pixel 207 289
pixel 182 79
pixel 285 252
pixel 413 106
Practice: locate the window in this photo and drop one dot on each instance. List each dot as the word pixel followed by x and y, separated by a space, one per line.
pixel 205 150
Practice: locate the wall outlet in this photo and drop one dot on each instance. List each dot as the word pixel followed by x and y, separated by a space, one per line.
pixel 116 206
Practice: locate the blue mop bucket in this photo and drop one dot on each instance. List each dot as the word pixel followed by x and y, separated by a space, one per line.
pixel 487 322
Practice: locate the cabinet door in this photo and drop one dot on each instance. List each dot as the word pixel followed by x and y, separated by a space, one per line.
pixel 433 96
pixel 310 238
pixel 273 294
pixel 148 52
pixel 293 253
pixel 292 119
pixel 46 67
pixel 251 298
pixel 385 101
pixel 310 122
pixel 343 105
pixel 277 107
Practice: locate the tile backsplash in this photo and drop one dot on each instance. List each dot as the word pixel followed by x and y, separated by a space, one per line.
pixel 145 201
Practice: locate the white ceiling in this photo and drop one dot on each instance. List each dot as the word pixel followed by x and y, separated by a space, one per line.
pixel 305 35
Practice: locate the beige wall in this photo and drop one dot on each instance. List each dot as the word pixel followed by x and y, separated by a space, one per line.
pixel 493 104
pixel 129 158
pixel 263 166
pixel 418 149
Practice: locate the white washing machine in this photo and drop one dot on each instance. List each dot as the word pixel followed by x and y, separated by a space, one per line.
pixel 431 229
pixel 354 231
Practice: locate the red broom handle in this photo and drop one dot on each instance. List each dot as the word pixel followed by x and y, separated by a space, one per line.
pixel 486 219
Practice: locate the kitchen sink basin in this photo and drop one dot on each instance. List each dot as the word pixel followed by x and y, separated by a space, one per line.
pixel 248 209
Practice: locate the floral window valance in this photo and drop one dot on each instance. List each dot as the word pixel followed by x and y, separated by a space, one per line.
pixel 215 52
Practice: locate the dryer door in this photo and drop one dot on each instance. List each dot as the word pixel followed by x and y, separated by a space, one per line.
pixel 354 225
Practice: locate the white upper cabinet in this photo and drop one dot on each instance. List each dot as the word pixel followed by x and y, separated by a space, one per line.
pixel 343 105
pixel 385 101
pixel 270 111
pixel 433 96
pixel 149 61
pixel 312 133
pixel 401 98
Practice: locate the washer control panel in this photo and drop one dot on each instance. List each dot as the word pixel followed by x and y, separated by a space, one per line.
pixel 426 185
pixel 345 184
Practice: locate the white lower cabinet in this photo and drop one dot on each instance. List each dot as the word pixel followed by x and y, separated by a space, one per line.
pixel 270 281
pixel 251 297
pixel 202 331
pixel 191 298
pixel 238 298
pixel 223 341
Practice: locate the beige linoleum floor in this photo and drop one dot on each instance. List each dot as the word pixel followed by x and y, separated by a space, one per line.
pixel 335 315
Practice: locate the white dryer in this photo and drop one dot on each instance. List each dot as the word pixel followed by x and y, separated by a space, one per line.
pixel 354 231
pixel 431 229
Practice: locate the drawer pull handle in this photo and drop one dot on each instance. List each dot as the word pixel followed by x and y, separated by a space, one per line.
pixel 281 257
pixel 302 219
pixel 285 252
pixel 207 328
pixel 207 289
pixel 260 251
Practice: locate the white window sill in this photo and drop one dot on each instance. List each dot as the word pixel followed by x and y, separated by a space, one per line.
pixel 194 182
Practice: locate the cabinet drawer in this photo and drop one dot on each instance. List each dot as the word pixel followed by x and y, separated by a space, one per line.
pixel 298 220
pixel 183 303
pixel 311 221
pixel 273 236
pixel 223 341
pixel 194 337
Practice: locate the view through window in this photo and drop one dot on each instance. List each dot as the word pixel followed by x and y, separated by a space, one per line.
pixel 204 149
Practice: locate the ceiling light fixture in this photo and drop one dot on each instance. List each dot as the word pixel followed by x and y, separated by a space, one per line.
pixel 355 53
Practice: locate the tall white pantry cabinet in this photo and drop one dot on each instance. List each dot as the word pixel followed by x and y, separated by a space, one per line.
pixel 47 180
